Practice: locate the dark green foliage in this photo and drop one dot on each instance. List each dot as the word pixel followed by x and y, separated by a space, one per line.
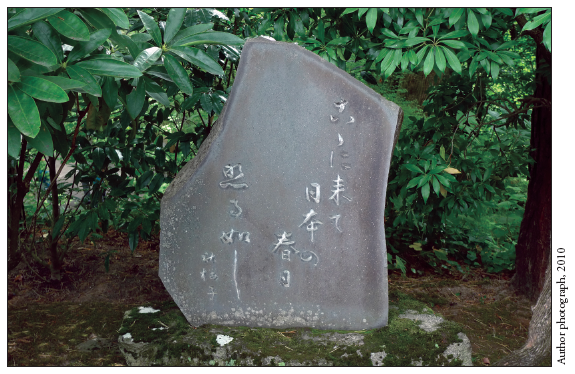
pixel 166 76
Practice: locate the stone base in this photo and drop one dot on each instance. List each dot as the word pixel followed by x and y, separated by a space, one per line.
pixel 415 336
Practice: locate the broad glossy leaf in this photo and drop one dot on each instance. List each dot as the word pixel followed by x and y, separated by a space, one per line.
pixel 133 240
pixel 31 50
pixel 117 16
pixel 91 86
pixel 404 61
pixel 96 39
pixel 13 72
pixel 61 143
pixel 49 37
pixel 387 61
pixel 440 59
pixel 540 19
pixel 421 54
pixel 414 182
pixel 473 66
pixel 278 28
pixel 419 15
pixel 30 15
pixel 452 60
pixel 265 25
pixel 70 25
pixel 425 192
pixel 486 19
pixel 494 70
pixel 178 74
pixel 152 26
pixel 414 41
pixel 472 24
pixel 174 22
pixel 64 83
pixel 110 92
pixel 206 103
pixel 455 34
pixel 43 141
pixel 125 41
pixel 160 72
pixel 147 57
pixel 23 112
pixel 442 190
pixel 453 44
pixel 156 92
pixel 112 154
pixel 110 68
pixel 349 10
pixel 444 181
pixel 141 37
pixel 452 171
pixel 412 57
pixel 156 183
pixel 382 54
pixel 14 140
pixel 455 15
pixel 199 58
pixel 428 64
pixel 42 89
pixel 211 37
pixel 192 30
pixel 97 19
pixel 436 186
pixel 191 101
pixel 99 156
pixel 371 19
pixel 485 65
pixel 339 41
pixel 389 33
pixel 519 11
pixel 320 30
pixel 135 100
pixel 547 36
pixel 414 168
pixel 145 178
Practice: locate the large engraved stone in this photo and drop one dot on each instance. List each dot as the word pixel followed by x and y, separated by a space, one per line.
pixel 278 220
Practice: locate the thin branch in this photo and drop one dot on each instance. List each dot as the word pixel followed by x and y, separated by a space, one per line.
pixel 201 118
pixel 81 115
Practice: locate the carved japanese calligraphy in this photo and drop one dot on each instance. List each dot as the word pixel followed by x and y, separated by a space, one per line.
pixel 228 237
pixel 283 240
pixel 315 195
pixel 338 188
pixel 340 105
pixel 229 173
pixel 208 258
pixel 285 278
pixel 212 293
pixel 239 210
pixel 336 219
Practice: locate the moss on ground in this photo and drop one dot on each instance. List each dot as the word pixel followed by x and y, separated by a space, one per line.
pixel 402 340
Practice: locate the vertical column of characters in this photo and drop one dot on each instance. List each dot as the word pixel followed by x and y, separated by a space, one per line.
pixel 233 175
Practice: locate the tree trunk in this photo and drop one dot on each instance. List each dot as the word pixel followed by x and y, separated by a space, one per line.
pixel 538 345
pixel 534 242
pixel 55 265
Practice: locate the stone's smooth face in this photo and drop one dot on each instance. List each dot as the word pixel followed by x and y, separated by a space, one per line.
pixel 278 220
